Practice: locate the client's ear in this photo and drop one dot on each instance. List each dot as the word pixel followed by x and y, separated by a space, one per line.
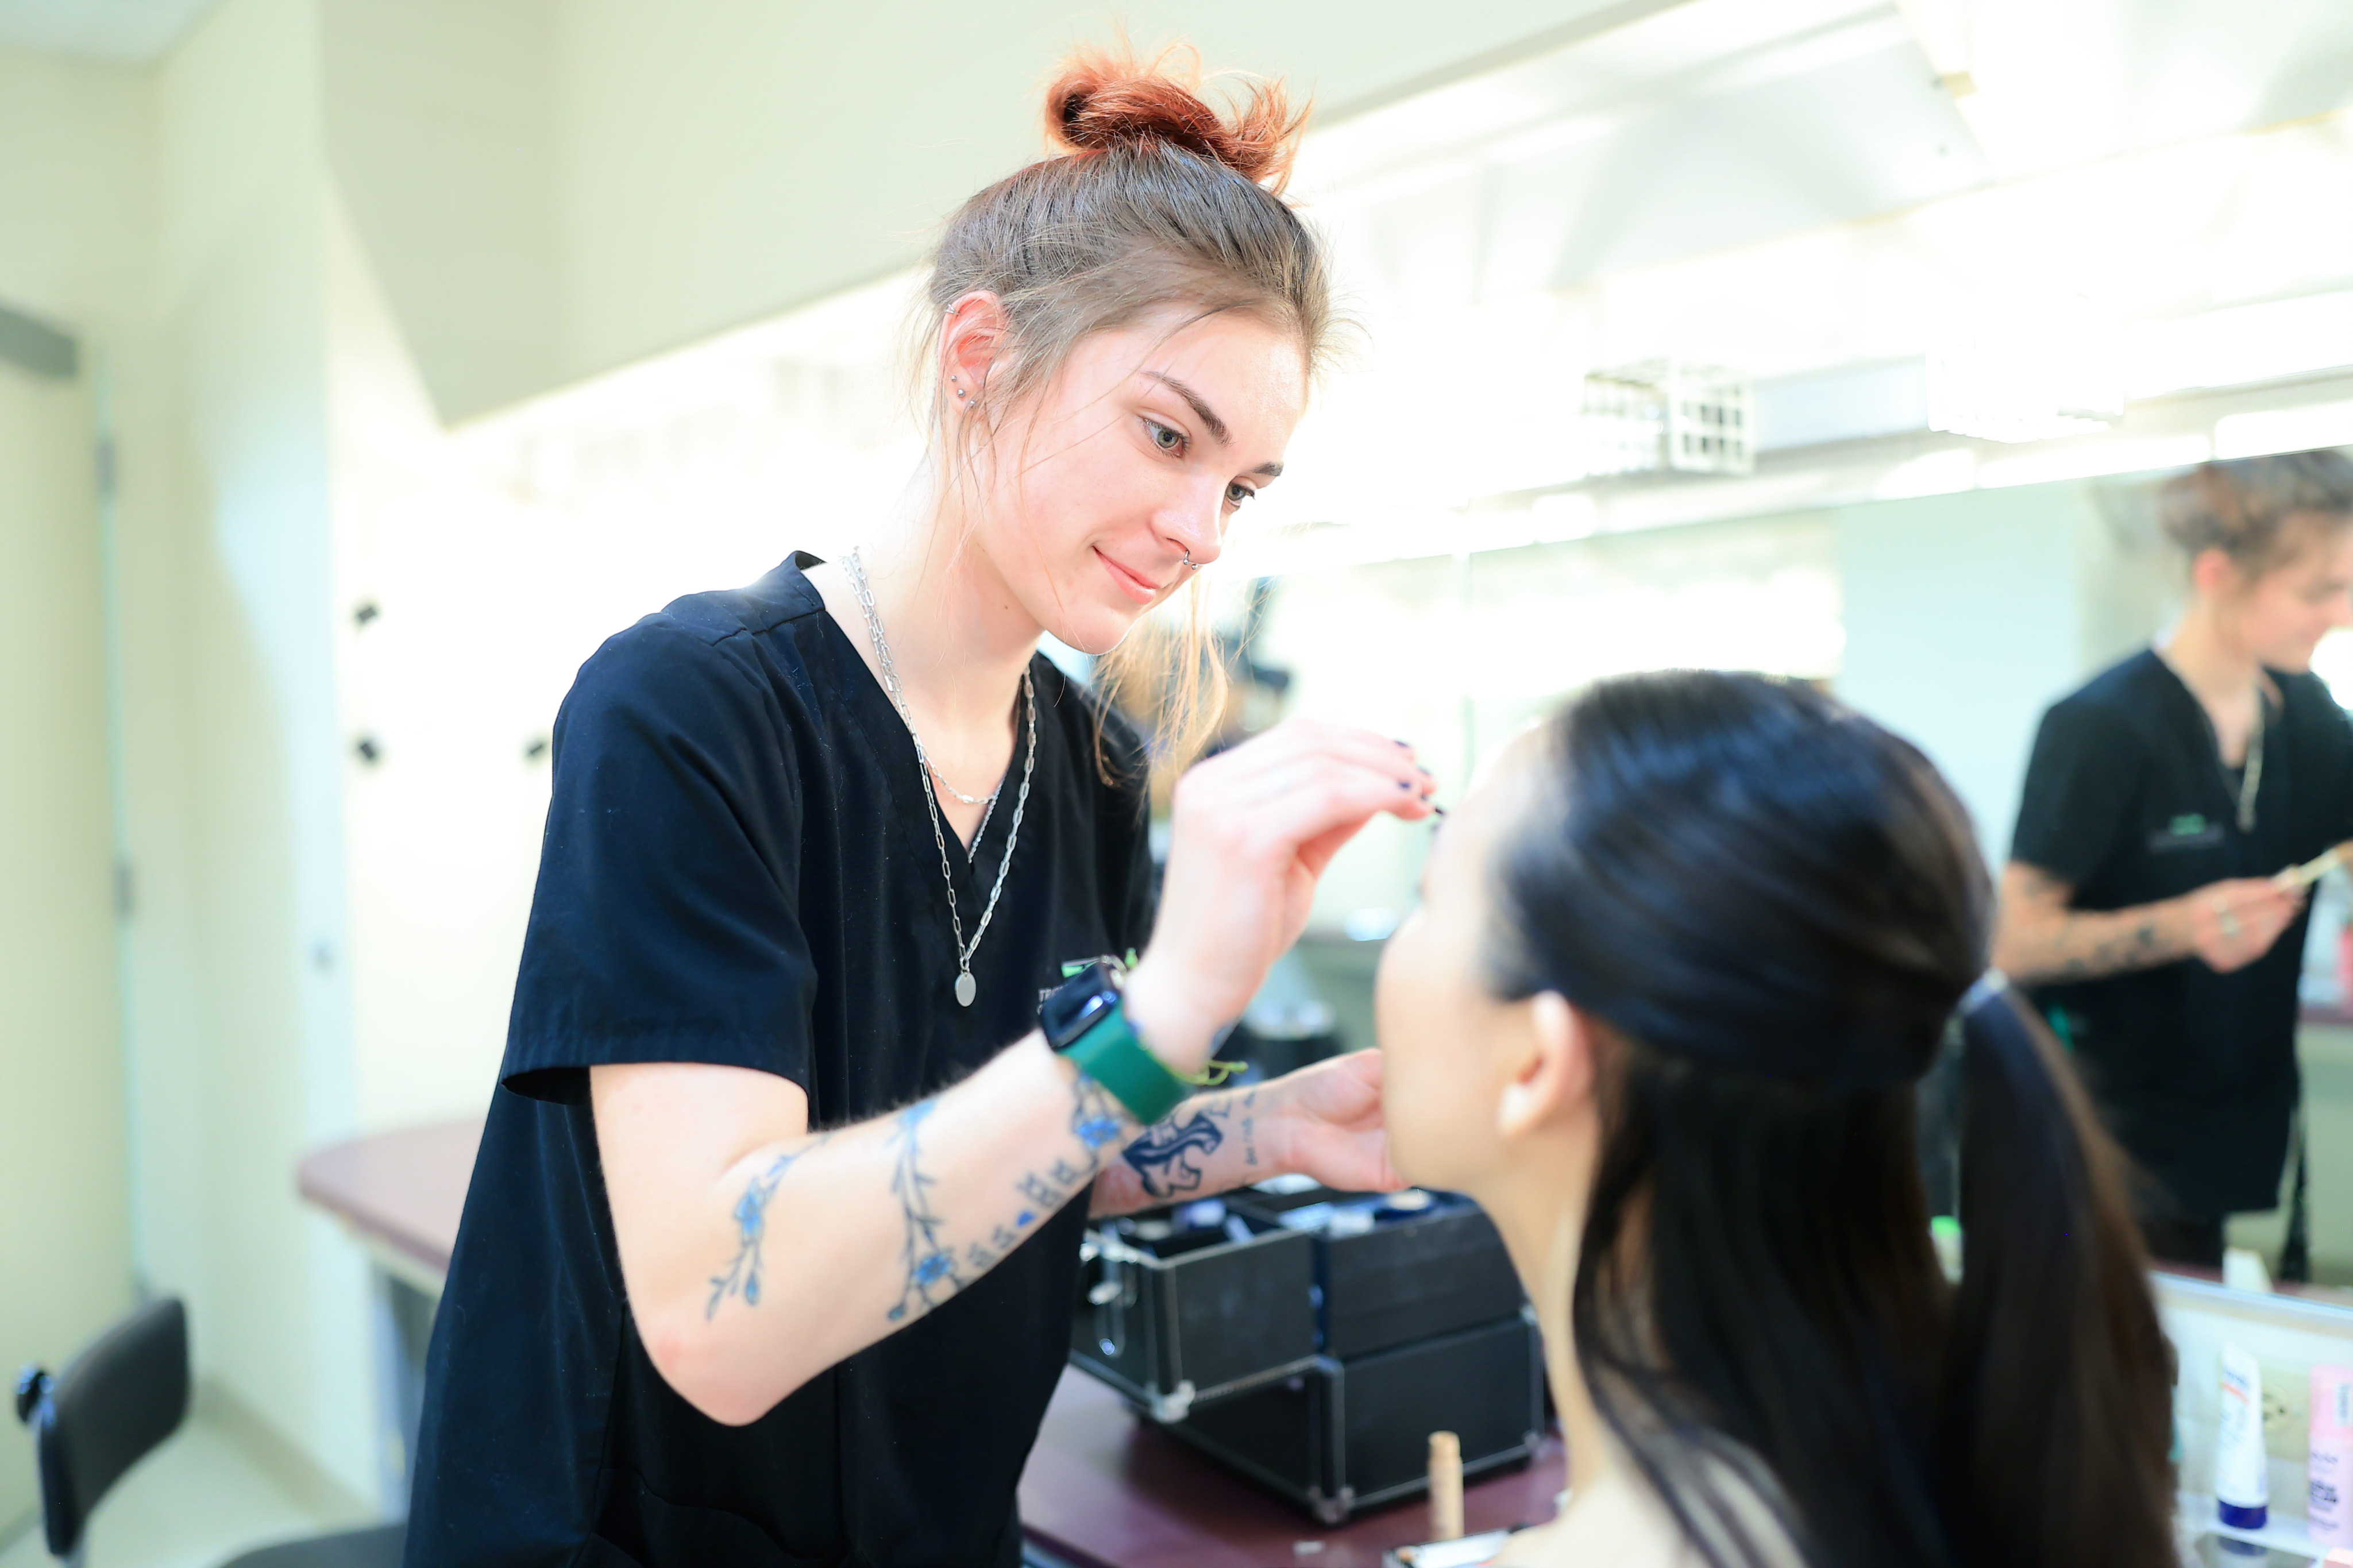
pixel 1552 1069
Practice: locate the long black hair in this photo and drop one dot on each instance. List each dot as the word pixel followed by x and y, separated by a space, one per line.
pixel 1774 906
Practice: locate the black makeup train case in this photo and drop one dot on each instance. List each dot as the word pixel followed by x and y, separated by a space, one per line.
pixel 1310 1338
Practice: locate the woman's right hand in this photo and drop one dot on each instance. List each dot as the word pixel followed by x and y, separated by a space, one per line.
pixel 1251 830
pixel 2235 921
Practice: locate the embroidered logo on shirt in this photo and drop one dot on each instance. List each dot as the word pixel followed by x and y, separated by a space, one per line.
pixel 2189 830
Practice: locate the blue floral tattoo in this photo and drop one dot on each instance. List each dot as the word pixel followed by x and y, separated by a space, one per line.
pixel 930 1263
pixel 1095 1118
pixel 743 1276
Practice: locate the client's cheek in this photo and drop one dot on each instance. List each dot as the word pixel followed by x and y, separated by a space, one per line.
pixel 1416 1093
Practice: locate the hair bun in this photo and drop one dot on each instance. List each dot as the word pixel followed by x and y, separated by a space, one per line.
pixel 1104 99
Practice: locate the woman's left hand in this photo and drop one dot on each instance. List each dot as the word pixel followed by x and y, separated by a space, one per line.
pixel 1325 1122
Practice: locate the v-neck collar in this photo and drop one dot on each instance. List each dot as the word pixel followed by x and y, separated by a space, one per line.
pixel 2233 781
pixel 892 723
pixel 2267 683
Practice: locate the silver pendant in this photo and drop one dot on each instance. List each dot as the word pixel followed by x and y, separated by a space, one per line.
pixel 967 988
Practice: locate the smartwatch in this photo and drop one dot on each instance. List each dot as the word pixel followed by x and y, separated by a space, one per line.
pixel 1083 1020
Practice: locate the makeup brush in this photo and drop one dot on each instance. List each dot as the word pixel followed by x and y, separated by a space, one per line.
pixel 2311 871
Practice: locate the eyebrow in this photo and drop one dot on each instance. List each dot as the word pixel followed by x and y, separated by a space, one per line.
pixel 1208 417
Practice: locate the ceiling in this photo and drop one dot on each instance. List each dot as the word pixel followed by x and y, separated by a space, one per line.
pixel 124 32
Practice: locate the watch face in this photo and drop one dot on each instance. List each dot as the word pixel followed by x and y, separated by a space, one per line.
pixel 1071 1010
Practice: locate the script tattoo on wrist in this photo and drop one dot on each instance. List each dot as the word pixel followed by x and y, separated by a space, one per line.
pixel 1098 1121
pixel 743 1275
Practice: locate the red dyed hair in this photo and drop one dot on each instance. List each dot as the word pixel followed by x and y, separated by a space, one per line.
pixel 1105 97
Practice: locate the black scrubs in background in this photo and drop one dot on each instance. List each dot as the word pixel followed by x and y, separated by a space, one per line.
pixel 2127 800
pixel 739 868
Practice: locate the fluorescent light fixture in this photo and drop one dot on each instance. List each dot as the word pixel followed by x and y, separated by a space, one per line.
pixel 1944 473
pixel 2283 430
pixel 2094 459
pixel 2279 341
pixel 2025 366
pixel 1560 518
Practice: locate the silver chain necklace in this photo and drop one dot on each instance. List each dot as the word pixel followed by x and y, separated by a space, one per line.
pixel 2251 768
pixel 967 987
pixel 2251 765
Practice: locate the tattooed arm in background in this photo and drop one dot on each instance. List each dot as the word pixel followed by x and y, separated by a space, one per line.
pixel 1324 1121
pixel 2038 939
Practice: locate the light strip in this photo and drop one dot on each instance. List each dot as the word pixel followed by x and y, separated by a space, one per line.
pixel 2095 460
pixel 2268 431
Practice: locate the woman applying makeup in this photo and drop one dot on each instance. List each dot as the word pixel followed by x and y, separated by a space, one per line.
pixel 770 1250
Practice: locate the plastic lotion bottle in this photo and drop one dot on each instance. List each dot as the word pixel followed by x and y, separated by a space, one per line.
pixel 2242 1486
pixel 2331 1510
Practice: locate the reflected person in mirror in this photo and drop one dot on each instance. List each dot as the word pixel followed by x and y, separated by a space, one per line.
pixel 2161 799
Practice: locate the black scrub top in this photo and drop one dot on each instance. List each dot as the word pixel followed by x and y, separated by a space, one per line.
pixel 739 868
pixel 2127 800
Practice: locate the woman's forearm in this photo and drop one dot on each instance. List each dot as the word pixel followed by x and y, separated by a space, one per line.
pixel 2039 941
pixel 2085 946
pixel 807 1249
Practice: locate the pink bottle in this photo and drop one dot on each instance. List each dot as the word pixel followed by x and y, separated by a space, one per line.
pixel 2330 1512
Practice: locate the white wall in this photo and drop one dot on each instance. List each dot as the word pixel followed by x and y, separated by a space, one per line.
pixel 1967 615
pixel 72 147
pixel 549 191
pixel 65 1225
pixel 724 161
pixel 457 672
pixel 440 128
pixel 242 1051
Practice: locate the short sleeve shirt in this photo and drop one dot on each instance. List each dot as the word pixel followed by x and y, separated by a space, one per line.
pixel 739 868
pixel 2127 801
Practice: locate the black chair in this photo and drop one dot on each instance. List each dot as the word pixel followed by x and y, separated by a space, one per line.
pixel 114 1404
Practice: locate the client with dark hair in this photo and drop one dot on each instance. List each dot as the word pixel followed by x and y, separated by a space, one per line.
pixel 1679 962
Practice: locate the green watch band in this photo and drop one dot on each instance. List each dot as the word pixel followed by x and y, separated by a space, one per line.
pixel 1110 1053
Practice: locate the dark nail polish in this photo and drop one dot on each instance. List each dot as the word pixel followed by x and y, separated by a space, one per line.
pixel 1402 784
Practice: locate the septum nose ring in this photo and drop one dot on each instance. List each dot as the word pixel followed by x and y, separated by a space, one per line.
pixel 1191 564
